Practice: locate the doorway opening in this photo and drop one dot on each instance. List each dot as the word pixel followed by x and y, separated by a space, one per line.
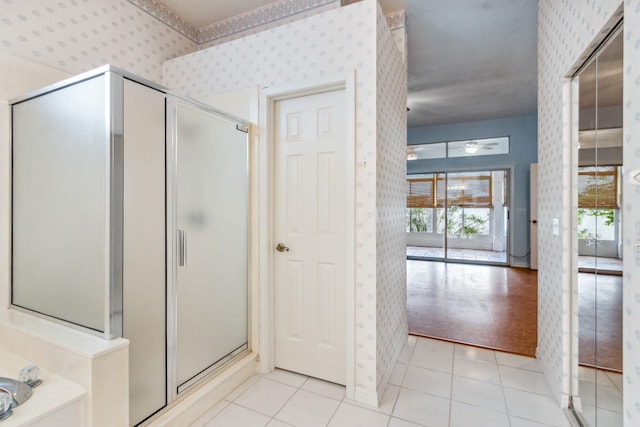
pixel 486 306
pixel 459 285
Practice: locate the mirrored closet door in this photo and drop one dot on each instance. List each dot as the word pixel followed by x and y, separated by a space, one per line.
pixel 597 285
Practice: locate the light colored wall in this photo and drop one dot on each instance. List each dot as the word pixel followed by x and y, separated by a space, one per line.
pixel 391 135
pixel 523 134
pixel 309 49
pixel 631 221
pixel 76 36
pixel 565 31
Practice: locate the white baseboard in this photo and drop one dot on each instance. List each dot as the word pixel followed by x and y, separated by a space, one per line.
pixel 401 339
pixel 366 397
pixel 196 403
pixel 520 263
pixel 371 398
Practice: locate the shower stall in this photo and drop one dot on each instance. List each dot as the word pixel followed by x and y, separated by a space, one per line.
pixel 130 210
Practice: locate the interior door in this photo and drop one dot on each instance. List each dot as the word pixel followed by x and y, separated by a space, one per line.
pixel 212 225
pixel 310 226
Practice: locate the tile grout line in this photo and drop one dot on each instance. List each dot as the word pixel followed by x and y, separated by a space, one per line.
pixel 395 400
pixel 273 418
pixel 264 376
pixel 393 404
pixel 334 412
pixel 453 361
pixel 504 396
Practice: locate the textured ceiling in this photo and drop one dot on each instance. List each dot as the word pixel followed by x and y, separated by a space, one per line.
pixel 467 59
pixel 471 60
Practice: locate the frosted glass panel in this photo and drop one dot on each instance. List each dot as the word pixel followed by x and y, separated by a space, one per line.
pixel 60 150
pixel 144 269
pixel 212 200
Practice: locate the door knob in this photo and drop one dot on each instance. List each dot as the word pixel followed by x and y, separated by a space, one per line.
pixel 282 248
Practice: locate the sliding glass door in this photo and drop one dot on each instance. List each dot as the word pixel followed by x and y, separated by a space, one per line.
pixel 425 219
pixel 461 216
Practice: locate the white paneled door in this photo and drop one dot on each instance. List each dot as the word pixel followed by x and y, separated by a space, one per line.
pixel 310 235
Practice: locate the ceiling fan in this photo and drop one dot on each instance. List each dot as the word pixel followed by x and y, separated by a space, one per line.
pixel 472 147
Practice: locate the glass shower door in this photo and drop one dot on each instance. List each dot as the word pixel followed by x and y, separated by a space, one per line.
pixel 212 196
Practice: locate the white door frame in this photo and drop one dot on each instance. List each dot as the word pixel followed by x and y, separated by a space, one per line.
pixel 533 216
pixel 266 206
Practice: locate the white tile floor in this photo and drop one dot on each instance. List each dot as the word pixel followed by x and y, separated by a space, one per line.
pixel 434 384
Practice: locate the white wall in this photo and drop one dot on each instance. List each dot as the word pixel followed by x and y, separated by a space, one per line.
pixel 76 36
pixel 335 42
pixel 567 31
pixel 391 201
pixel 631 209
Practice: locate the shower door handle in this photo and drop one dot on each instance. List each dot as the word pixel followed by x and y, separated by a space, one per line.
pixel 182 248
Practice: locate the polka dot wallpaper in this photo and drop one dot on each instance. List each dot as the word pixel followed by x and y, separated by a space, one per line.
pixel 568 32
pixel 391 123
pixel 311 48
pixel 565 31
pixel 631 214
pixel 79 35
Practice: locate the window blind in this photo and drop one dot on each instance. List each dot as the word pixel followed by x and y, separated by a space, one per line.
pixel 598 187
pixel 471 191
pixel 420 192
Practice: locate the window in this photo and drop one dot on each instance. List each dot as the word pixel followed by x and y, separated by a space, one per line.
pixel 468 199
pixel 597 202
pixel 465 148
pixel 598 187
pixel 420 191
pixel 420 203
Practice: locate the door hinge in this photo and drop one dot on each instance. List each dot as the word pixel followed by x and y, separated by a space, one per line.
pixel 243 127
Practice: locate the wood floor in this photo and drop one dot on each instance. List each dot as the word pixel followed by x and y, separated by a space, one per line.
pixel 487 306
pixel 600 314
pixel 497 308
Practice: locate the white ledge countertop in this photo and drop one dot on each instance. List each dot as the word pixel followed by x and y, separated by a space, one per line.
pixel 76 341
pixel 53 394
